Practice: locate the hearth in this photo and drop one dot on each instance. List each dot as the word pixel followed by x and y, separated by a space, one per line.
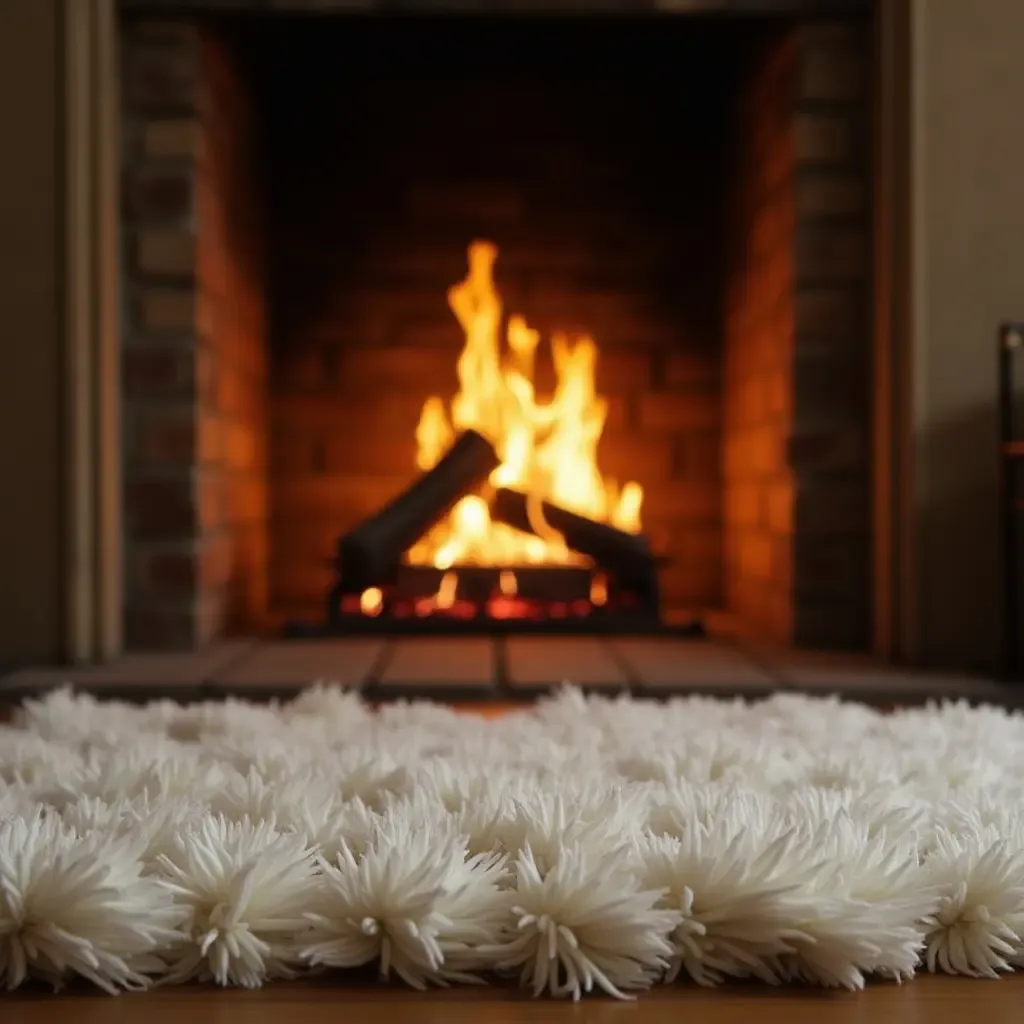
pixel 642 285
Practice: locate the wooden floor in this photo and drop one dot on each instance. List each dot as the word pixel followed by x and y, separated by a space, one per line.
pixel 929 1000
pixel 489 669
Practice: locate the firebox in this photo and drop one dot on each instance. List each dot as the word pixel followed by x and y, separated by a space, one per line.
pixel 504 323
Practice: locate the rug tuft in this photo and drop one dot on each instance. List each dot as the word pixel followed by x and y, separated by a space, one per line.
pixel 582 845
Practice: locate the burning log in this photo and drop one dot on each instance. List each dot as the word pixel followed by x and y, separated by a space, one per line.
pixel 370 554
pixel 626 556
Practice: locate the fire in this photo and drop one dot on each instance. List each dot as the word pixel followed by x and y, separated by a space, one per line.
pixel 547 449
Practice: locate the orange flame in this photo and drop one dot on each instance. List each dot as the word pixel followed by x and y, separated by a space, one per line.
pixel 547 449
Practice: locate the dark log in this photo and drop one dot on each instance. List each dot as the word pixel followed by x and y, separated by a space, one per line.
pixel 370 554
pixel 626 556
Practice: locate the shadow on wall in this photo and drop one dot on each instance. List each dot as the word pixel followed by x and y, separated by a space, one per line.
pixel 960 600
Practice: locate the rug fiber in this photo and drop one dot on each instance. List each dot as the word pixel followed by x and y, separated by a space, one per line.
pixel 581 845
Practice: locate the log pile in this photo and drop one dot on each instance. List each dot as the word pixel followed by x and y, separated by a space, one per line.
pixel 370 555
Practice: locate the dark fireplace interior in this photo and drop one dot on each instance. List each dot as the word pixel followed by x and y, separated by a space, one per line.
pixel 689 193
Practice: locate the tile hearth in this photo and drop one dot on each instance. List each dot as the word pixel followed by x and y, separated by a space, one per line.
pixel 496 670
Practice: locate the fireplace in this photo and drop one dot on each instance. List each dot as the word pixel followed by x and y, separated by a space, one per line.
pixel 680 249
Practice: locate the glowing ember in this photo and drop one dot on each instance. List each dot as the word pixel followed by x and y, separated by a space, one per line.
pixel 598 591
pixel 371 602
pixel 507 584
pixel 548 449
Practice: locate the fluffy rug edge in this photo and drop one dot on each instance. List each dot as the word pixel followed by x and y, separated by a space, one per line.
pixel 584 844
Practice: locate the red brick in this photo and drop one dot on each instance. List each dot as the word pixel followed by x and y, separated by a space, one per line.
pixel 645 460
pixel 160 66
pixel 694 587
pixel 180 627
pixel 211 496
pixel 298 498
pixel 830 72
pixel 164 435
pixel 429 370
pixel 386 456
pixel 778 506
pixel 692 370
pixel 831 507
pixel 171 138
pixel 755 555
pixel 167 310
pixel 830 625
pixel 699 456
pixel 679 412
pixel 160 629
pixel 165 253
pixel 826 314
pixel 842 448
pixel 830 254
pixel 829 391
pixel 160 196
pixel 158 371
pixel 742 503
pixel 823 138
pixel 299 584
pixel 244 498
pixel 161 507
pixel 332 413
pixel 676 500
pixel 829 196
pixel 754 452
pixel 830 567
pixel 181 569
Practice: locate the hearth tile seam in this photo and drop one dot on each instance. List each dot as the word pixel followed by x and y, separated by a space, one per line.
pixel 210 688
pixel 372 687
pixel 634 681
pixel 769 668
pixel 502 684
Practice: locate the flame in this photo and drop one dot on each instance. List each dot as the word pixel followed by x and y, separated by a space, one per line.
pixel 507 584
pixel 371 602
pixel 447 591
pixel 547 449
pixel 598 591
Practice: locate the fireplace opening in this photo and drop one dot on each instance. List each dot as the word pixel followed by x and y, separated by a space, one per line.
pixel 628 255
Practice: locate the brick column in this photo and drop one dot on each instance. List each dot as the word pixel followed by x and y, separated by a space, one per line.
pixel 830 438
pixel 193 370
pixel 797 353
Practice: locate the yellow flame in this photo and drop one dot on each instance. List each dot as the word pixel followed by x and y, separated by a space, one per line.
pixel 447 590
pixel 507 584
pixel 598 591
pixel 371 601
pixel 548 449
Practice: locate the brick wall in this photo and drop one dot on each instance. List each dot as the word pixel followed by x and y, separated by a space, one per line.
pixel 274 367
pixel 603 193
pixel 194 364
pixel 797 351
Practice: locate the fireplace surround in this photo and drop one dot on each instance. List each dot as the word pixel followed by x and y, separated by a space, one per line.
pixel 299 193
pixel 945 90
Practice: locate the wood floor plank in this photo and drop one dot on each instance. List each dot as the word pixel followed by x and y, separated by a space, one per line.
pixel 538 663
pixel 144 676
pixel 854 677
pixel 434 665
pixel 664 663
pixel 935 999
pixel 293 664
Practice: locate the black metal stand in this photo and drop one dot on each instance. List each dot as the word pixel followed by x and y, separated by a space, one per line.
pixel 1011 459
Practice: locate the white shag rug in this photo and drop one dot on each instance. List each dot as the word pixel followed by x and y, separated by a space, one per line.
pixel 580 845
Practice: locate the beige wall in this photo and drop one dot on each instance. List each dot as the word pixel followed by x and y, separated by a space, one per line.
pixel 968 269
pixel 31 612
